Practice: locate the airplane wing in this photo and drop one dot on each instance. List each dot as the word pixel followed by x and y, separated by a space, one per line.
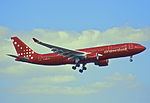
pixel 71 54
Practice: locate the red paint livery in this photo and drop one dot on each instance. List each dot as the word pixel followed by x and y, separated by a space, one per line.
pixel 98 55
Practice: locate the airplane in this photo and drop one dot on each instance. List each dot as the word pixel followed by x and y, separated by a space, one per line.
pixel 98 55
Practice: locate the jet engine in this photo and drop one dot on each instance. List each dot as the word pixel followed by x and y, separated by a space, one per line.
pixel 102 62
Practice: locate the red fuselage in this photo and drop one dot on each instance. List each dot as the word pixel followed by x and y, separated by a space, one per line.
pixel 61 56
pixel 106 52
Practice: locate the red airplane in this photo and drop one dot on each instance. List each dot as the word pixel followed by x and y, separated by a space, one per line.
pixel 97 55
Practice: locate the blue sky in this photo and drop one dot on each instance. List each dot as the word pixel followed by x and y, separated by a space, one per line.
pixel 73 15
pixel 75 24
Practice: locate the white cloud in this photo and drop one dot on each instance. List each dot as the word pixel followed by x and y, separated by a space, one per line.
pixel 102 85
pixel 42 85
pixel 52 80
pixel 49 89
pixel 118 77
pixel 31 70
pixel 4 31
pixel 118 80
pixel 13 70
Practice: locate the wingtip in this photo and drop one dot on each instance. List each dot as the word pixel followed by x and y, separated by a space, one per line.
pixel 13 37
pixel 35 40
pixel 8 54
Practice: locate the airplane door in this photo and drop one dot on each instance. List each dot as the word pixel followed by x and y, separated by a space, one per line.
pixel 131 46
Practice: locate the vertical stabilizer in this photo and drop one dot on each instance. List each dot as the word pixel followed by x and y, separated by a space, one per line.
pixel 22 49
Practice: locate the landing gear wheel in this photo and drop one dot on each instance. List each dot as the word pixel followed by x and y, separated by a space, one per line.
pixel 74 67
pixel 80 70
pixel 84 68
pixel 131 60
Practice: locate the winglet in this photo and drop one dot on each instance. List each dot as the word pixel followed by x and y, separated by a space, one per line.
pixel 35 40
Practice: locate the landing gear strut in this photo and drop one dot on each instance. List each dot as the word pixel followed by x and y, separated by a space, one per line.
pixel 131 60
pixel 83 68
pixel 74 67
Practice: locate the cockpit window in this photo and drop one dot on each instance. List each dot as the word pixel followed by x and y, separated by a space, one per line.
pixel 138 45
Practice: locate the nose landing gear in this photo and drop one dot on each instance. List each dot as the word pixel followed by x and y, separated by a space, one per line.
pixel 131 60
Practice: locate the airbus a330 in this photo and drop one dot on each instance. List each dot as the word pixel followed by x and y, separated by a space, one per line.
pixel 98 55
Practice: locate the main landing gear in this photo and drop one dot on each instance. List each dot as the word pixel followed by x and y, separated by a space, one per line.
pixel 74 67
pixel 131 60
pixel 80 70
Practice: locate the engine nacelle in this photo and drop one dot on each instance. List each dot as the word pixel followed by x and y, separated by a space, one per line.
pixel 102 62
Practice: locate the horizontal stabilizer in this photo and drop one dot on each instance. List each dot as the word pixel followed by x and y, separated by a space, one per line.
pixel 21 58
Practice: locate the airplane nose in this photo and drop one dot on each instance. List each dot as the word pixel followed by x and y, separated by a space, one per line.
pixel 139 48
pixel 143 48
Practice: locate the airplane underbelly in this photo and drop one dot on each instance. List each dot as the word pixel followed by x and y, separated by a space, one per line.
pixel 49 60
